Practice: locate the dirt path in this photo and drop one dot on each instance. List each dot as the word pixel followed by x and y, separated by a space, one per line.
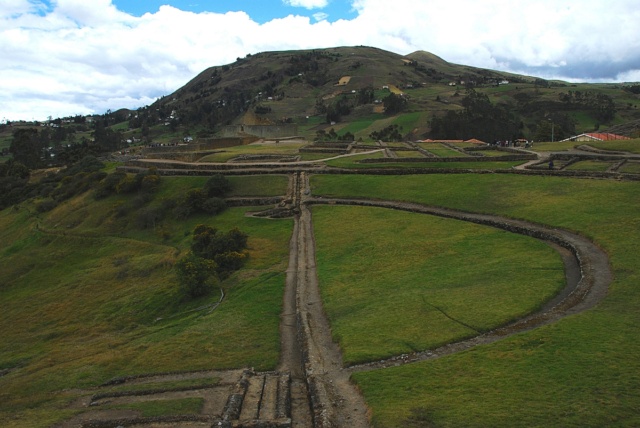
pixel 335 401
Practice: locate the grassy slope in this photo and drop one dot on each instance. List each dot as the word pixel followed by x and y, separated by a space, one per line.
pixel 72 321
pixel 582 371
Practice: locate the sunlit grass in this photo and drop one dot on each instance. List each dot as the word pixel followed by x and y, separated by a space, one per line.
pixel 598 166
pixel 85 296
pixel 581 371
pixel 449 279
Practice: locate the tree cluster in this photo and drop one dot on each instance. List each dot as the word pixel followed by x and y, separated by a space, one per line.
pixel 213 257
pixel 332 135
pixel 480 119
pixel 394 104
pixel 208 200
pixel 390 133
pixel 602 105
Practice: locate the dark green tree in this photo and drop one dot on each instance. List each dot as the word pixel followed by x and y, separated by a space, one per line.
pixel 217 185
pixel 394 104
pixel 197 276
pixel 26 148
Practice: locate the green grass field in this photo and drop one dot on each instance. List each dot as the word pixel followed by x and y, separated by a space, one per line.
pixel 631 146
pixel 387 296
pixel 581 371
pixel 86 296
pixel 70 320
pixel 590 166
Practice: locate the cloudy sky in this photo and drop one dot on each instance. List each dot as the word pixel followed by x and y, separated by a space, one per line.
pixel 67 57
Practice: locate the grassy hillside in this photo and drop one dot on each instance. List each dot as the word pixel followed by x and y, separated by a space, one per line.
pixel 86 296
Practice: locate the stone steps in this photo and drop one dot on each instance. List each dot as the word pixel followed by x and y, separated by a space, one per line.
pixel 260 400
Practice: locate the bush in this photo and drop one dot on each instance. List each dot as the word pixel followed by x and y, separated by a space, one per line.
pixel 197 276
pixel 46 205
pixel 149 217
pixel 217 185
pixel 229 262
pixel 109 184
pixel 214 206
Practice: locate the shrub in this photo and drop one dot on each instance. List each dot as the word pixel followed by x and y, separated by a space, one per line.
pixel 197 276
pixel 217 185
pixel 149 217
pixel 214 206
pixel 229 262
pixel 109 184
pixel 46 205
pixel 128 184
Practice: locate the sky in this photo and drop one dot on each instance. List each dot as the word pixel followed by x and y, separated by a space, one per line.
pixel 62 58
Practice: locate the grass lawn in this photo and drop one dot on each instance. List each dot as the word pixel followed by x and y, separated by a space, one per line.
pixel 73 321
pixel 444 152
pixel 148 409
pixel 589 166
pixel 394 291
pixel 352 162
pixel 582 371
pixel 282 148
pixel 631 167
pixel 408 154
pixel 554 147
pixel 631 146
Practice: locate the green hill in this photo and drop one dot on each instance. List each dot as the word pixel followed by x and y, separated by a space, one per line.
pixel 292 86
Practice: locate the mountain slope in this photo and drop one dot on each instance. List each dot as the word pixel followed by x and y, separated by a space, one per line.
pixel 291 86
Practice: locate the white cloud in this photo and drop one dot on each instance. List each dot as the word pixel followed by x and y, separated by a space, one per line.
pixel 320 16
pixel 308 4
pixel 71 58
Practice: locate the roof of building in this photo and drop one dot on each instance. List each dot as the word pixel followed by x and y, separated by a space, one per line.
pixel 599 136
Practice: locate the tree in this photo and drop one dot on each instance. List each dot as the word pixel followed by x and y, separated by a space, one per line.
pixel 197 276
pixel 394 104
pixel 217 185
pixel 26 148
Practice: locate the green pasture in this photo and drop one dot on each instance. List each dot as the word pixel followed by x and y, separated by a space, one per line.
pixel 444 152
pixel 281 148
pixel 630 167
pixel 394 291
pixel 86 297
pixel 149 409
pixel 589 165
pixel 582 371
pixel 353 162
pixel 493 153
pixel 554 147
pixel 631 146
pixel 408 154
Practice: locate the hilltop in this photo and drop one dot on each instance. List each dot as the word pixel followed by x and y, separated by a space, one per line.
pixel 336 87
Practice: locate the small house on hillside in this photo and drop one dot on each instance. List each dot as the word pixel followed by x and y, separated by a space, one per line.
pixel 597 136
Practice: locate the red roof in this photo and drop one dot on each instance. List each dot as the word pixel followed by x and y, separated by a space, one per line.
pixel 599 136
pixel 605 136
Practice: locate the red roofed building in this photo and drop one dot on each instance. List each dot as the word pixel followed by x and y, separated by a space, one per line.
pixel 597 136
